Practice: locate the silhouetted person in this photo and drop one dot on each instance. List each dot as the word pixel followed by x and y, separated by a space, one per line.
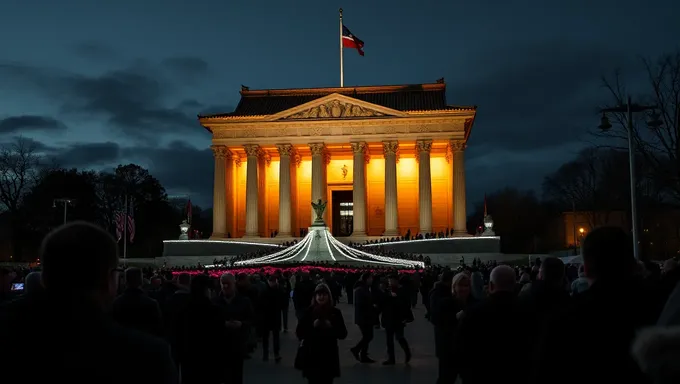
pixel 364 317
pixel 486 344
pixel 201 358
pixel 600 328
pixel 33 284
pixel 134 309
pixel 78 342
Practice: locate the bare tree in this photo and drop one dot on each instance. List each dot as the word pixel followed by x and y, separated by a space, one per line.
pixel 594 183
pixel 659 146
pixel 19 169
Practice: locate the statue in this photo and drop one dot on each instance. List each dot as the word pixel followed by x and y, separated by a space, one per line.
pixel 488 226
pixel 184 228
pixel 319 207
pixel 344 171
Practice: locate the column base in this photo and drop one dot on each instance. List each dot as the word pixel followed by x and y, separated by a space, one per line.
pixel 286 234
pixel 425 230
pixel 358 234
pixel 461 233
pixel 391 233
pixel 218 236
pixel 251 236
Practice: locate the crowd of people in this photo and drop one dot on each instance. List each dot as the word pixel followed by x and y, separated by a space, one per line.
pixel 83 318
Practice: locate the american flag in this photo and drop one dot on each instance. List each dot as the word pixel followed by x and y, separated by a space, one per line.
pixel 131 221
pixel 120 225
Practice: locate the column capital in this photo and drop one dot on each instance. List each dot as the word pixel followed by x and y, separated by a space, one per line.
pixel 457 146
pixel 285 149
pixel 264 155
pixel 358 147
pixel 237 160
pixel 221 152
pixel 317 148
pixel 326 156
pixel 252 150
pixel 297 159
pixel 390 147
pixel 424 145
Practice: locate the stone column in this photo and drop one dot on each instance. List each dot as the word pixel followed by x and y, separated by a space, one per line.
pixel 424 185
pixel 390 149
pixel 252 196
pixel 459 215
pixel 229 193
pixel 219 193
pixel 318 164
pixel 285 151
pixel 359 189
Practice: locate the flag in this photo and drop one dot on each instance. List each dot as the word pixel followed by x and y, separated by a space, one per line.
pixel 189 212
pixel 131 221
pixel 120 226
pixel 351 41
pixel 485 205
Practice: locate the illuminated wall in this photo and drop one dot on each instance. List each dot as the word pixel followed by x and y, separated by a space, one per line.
pixel 375 189
pixel 407 195
pixel 334 171
pixel 240 197
pixel 304 193
pixel 442 194
pixel 272 197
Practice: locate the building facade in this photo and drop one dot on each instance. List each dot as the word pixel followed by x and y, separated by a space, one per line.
pixel 386 159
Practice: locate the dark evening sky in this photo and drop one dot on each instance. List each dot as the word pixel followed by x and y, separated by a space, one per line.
pixel 98 83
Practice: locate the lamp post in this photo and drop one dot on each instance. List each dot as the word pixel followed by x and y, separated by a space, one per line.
pixel 629 108
pixel 66 203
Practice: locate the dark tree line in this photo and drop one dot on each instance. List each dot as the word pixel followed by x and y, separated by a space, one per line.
pixel 30 184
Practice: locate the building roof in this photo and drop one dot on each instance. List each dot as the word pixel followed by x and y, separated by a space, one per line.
pixel 417 97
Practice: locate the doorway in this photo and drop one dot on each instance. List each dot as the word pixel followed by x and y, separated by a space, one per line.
pixel 343 213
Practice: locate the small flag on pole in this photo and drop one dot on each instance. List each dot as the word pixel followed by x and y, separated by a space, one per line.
pixel 131 221
pixel 189 211
pixel 120 226
pixel 351 41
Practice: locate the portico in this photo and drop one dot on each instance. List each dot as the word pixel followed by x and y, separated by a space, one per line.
pixel 392 156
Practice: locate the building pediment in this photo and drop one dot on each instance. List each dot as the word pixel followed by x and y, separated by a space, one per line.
pixel 335 106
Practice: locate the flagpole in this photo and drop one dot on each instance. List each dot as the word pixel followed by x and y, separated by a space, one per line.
pixel 342 66
pixel 125 228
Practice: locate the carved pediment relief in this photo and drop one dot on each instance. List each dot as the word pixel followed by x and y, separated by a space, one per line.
pixel 334 109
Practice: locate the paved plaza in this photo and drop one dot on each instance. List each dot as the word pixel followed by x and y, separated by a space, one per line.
pixel 421 369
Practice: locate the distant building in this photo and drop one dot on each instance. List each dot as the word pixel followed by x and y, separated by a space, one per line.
pixel 357 148
pixel 659 231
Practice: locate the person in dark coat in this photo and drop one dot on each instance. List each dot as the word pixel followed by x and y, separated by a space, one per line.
pixel 269 311
pixel 445 320
pixel 396 313
pixel 284 284
pixel 77 338
pixel 239 317
pixel 488 341
pixel 135 309
pixel 364 315
pixel 618 304
pixel 303 294
pixel 201 358
pixel 319 329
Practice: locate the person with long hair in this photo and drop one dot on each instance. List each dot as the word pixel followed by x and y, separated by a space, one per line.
pixel 319 329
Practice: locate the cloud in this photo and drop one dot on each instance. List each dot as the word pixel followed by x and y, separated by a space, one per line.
pixel 94 50
pixel 133 100
pixel 542 94
pixel 30 123
pixel 88 155
pixel 186 65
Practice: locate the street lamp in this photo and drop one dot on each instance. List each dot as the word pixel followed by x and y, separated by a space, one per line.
pixel 66 203
pixel 629 108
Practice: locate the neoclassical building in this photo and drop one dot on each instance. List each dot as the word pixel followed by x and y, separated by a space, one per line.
pixel 386 159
